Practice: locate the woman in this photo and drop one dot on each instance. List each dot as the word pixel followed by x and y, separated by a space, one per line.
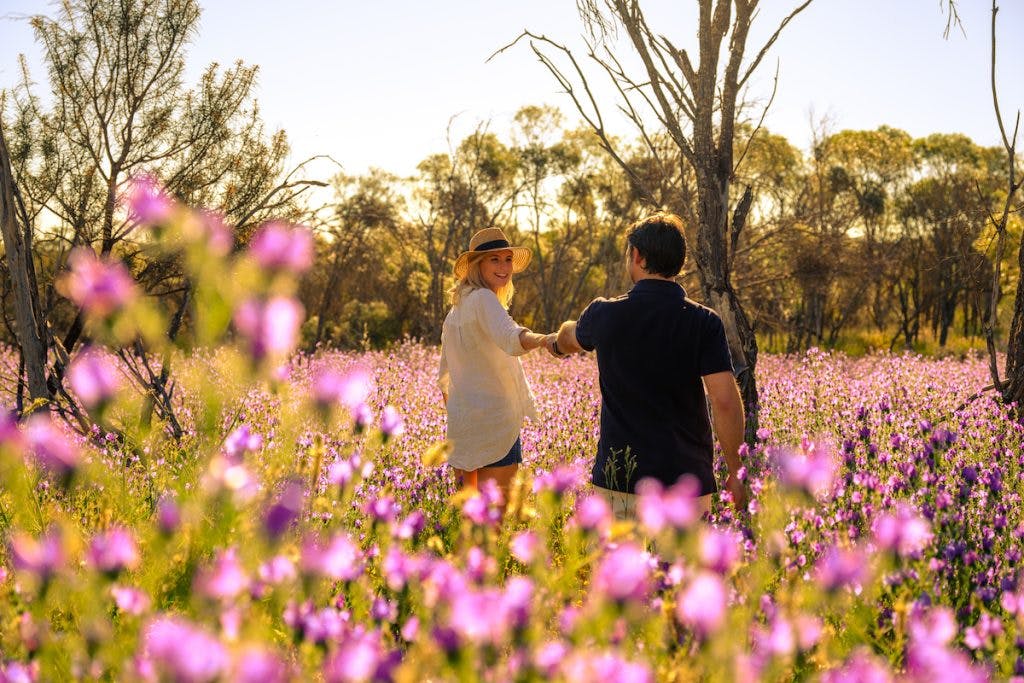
pixel 481 378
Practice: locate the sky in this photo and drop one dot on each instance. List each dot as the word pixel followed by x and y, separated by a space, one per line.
pixel 379 84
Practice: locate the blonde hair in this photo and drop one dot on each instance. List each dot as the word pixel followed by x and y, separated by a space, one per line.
pixel 474 279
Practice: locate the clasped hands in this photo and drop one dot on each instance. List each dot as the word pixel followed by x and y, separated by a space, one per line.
pixel 550 343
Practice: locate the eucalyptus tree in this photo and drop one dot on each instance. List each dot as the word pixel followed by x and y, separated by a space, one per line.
pixel 117 107
pixel 453 195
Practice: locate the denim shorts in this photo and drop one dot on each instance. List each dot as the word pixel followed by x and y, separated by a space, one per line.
pixel 514 456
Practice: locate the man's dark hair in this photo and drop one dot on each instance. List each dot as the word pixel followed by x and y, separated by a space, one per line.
pixel 659 239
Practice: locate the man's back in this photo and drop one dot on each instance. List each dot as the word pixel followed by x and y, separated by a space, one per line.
pixel 653 347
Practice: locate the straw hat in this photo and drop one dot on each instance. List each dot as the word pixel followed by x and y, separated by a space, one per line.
pixel 492 239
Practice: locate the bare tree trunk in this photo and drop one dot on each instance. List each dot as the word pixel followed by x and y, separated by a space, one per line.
pixel 27 310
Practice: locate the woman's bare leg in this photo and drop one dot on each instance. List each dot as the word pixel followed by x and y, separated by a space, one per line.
pixel 502 476
pixel 467 478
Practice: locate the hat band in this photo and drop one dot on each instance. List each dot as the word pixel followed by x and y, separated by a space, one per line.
pixel 493 244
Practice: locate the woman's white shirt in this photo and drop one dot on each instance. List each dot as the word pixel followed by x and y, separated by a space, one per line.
pixel 488 395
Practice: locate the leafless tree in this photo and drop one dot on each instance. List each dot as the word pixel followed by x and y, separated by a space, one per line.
pixel 697 104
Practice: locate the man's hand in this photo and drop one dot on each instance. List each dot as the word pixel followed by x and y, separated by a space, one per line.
pixel 549 344
pixel 738 492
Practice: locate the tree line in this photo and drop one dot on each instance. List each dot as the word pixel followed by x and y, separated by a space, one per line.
pixel 869 231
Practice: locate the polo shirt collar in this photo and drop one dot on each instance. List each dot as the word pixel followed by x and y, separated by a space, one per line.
pixel 658 286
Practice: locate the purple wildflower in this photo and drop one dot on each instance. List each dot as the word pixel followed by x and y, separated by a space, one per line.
pixel 391 424
pixel 359 658
pixel 130 600
pixel 271 327
pixel 277 246
pixel 412 524
pixel 113 551
pixel 702 604
pixel 168 516
pixel 43 557
pixel 183 650
pixel 903 532
pixel 241 441
pixel 862 667
pixel 624 574
pixel 593 513
pixel 148 203
pixel 811 470
pixel 93 377
pixel 340 559
pixel 99 286
pixel 675 507
pixel 839 568
pixel 560 481
pixel 225 578
pixel 523 546
pixel 258 665
pixel 719 549
pixel 284 511
pixel 50 446
pixel 278 569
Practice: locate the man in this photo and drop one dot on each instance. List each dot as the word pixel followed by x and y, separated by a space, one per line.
pixel 657 354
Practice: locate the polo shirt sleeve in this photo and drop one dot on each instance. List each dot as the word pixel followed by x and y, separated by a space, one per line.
pixel 497 323
pixel 714 348
pixel 586 333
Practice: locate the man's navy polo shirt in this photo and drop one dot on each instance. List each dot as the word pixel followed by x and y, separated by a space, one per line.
pixel 653 346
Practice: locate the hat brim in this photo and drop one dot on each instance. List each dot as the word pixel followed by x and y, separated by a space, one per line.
pixel 521 257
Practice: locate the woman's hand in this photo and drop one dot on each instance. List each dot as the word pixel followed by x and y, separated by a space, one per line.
pixel 532 340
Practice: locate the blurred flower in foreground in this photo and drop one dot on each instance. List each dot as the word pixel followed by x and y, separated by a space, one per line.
pixel 43 557
pixel 10 435
pixel 339 559
pixel 675 507
pixel 593 513
pixel 100 286
pixel 19 672
pixel 928 656
pixel 624 574
pixel 277 246
pixel 841 567
pixel 225 578
pixel 113 551
pixel 51 448
pixel 719 549
pixel 862 667
pixel 93 377
pixel 241 441
pixel 256 664
pixel 606 667
pixel 903 532
pixel 560 480
pixel 130 600
pixel 271 327
pixel 360 657
pixel 183 650
pixel 168 515
pixel 391 424
pixel 524 545
pixel 147 201
pixel 702 604
pixel 285 510
pixel 811 470
pixel 210 227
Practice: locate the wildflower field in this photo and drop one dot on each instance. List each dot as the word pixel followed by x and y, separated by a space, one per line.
pixel 305 526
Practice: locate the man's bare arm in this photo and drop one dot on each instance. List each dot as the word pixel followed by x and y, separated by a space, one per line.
pixel 567 342
pixel 727 413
